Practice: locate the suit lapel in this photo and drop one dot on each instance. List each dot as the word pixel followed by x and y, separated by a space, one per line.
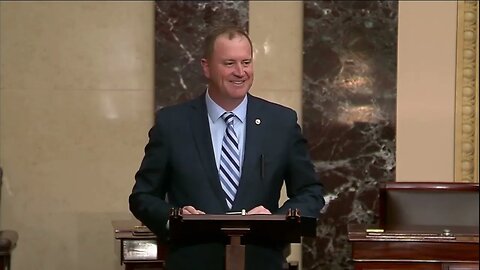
pixel 253 140
pixel 203 141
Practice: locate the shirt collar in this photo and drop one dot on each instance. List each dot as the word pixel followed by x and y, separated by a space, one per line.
pixel 215 111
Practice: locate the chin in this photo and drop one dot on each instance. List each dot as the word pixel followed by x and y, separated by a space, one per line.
pixel 238 92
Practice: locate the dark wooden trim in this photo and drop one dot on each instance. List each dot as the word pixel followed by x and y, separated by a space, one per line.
pixel 409 247
pixel 430 186
pixel 384 187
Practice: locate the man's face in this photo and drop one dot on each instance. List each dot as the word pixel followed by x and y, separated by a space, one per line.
pixel 229 70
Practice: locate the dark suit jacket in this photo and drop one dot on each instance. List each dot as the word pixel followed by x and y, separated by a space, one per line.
pixel 179 165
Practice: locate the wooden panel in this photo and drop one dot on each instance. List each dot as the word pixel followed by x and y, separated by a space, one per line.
pixel 397 266
pixel 414 247
pixel 414 266
pixel 442 203
pixel 460 266
pixel 410 251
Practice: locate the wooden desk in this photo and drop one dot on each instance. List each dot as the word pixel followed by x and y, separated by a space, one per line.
pixel 8 241
pixel 137 251
pixel 415 247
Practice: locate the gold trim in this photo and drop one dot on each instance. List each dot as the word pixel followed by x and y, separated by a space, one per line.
pixel 466 93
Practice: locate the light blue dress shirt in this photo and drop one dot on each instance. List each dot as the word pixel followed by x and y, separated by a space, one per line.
pixel 218 126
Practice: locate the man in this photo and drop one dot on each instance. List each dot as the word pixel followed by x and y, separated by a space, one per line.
pixel 205 159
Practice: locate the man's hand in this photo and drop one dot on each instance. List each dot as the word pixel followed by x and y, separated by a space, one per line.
pixel 259 210
pixel 190 210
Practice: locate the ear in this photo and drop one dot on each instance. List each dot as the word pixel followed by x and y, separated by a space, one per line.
pixel 205 67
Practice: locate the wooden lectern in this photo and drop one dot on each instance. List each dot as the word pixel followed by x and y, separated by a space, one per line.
pixel 238 230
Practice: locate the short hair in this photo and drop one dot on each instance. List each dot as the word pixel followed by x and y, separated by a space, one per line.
pixel 231 31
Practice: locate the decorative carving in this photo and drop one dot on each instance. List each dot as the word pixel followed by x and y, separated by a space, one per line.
pixel 466 93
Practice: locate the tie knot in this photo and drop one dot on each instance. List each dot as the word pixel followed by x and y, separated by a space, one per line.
pixel 228 117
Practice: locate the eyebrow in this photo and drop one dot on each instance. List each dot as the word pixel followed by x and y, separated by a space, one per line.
pixel 233 60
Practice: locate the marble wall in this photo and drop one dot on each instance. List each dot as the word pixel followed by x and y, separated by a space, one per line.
pixel 76 82
pixel 349 98
pixel 427 33
pixel 349 115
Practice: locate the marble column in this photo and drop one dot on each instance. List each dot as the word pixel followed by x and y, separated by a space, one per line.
pixel 349 113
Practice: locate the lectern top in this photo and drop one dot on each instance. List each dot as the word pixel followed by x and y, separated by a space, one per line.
pixel 256 228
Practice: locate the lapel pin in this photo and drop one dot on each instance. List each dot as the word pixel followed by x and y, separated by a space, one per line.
pixel 258 121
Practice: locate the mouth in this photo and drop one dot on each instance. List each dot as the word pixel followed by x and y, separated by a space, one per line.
pixel 238 82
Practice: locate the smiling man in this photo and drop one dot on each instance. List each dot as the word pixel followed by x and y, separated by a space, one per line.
pixel 228 67
pixel 224 151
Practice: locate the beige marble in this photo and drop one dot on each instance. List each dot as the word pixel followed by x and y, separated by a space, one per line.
pixel 67 161
pixel 289 98
pixel 76 103
pixel 276 30
pixel 72 141
pixel 80 45
pixel 426 91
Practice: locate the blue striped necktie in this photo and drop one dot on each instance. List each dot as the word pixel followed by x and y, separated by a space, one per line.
pixel 229 160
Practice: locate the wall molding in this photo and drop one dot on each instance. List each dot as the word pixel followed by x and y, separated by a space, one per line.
pixel 466 93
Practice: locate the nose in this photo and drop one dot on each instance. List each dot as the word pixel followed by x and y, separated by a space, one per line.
pixel 238 70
